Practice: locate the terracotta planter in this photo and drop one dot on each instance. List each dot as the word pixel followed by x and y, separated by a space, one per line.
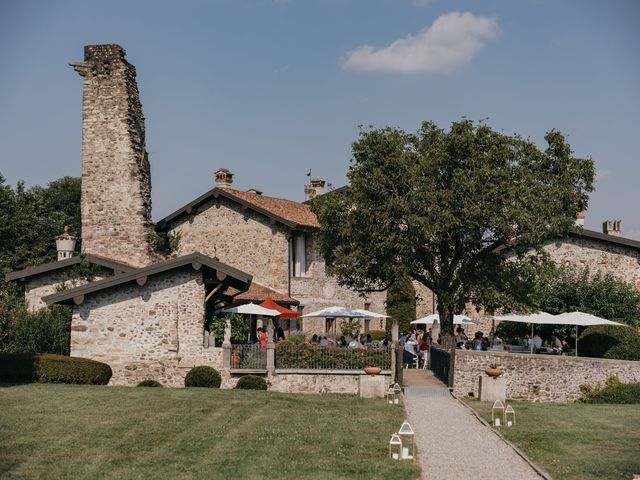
pixel 372 370
pixel 493 372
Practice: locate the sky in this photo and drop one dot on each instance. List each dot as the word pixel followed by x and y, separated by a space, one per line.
pixel 271 89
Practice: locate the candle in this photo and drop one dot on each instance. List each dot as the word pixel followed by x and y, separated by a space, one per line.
pixel 509 423
pixel 395 456
pixel 395 400
pixel 497 422
pixel 405 452
pixel 390 402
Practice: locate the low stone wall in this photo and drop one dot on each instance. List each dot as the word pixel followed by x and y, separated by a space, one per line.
pixel 310 381
pixel 539 378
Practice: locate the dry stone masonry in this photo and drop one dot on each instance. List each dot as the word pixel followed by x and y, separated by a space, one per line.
pixel 116 179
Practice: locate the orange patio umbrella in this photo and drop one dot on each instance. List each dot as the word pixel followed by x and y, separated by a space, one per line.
pixel 284 312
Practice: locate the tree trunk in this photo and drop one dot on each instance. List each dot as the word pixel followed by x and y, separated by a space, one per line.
pixel 445 312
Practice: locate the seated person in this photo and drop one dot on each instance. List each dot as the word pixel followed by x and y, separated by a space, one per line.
pixel 516 342
pixel 355 343
pixel 410 350
pixel 556 345
pixel 323 342
pixel 537 343
pixel 477 341
pixel 343 342
pixel 461 338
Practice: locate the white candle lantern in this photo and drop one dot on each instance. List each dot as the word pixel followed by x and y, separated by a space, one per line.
pixel 398 391
pixel 395 447
pixel 497 413
pixel 392 397
pixel 510 416
pixel 408 442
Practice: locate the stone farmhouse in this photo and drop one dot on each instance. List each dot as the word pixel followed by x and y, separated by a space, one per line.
pixel 143 311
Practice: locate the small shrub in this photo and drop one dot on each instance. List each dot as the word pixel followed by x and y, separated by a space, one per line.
pixel 610 341
pixel 203 376
pixel 149 383
pixel 49 368
pixel 251 382
pixel 614 391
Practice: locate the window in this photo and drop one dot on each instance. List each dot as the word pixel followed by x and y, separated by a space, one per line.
pixel 329 325
pixel 367 325
pixel 297 255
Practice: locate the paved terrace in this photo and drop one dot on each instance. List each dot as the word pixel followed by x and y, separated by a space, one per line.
pixel 451 442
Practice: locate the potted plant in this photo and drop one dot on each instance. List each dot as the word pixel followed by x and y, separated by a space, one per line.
pixel 493 371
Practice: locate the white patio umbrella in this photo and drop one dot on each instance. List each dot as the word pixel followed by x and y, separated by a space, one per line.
pixel 457 320
pixel 252 309
pixel 572 318
pixel 343 312
pixel 583 319
pixel 371 314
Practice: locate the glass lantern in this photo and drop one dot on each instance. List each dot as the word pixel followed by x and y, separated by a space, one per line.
pixel 408 442
pixel 392 397
pixel 510 416
pixel 395 447
pixel 398 391
pixel 497 413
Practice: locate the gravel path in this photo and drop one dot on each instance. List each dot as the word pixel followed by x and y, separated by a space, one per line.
pixel 453 444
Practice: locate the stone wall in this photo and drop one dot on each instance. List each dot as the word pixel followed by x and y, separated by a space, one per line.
pixel 242 239
pixel 316 382
pixel 539 378
pixel 39 286
pixel 116 179
pixel 149 332
pixel 620 261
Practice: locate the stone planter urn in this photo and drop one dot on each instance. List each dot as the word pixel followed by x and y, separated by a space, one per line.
pixel 372 370
pixel 493 371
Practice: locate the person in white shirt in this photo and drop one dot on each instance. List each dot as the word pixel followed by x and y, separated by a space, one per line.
pixel 410 349
pixel 537 343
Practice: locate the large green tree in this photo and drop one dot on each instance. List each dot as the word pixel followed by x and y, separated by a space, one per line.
pixel 437 206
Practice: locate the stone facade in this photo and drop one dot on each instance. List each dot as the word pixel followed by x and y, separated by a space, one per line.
pixel 618 260
pixel 116 179
pixel 40 286
pixel 243 239
pixel 539 378
pixel 154 331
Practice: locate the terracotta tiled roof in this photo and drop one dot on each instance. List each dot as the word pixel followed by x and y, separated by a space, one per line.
pixel 259 293
pixel 292 214
pixel 288 209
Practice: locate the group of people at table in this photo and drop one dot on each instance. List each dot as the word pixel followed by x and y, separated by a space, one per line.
pixel 416 344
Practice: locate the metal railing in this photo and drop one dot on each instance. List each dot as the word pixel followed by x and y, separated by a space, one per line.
pixel 314 357
pixel 441 364
pixel 248 357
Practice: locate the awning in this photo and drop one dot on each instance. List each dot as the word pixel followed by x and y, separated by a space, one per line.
pixel 284 312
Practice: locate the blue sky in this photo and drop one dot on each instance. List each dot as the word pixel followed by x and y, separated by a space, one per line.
pixel 271 89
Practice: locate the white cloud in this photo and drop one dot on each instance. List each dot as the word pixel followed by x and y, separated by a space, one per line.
pixel 602 173
pixel 450 42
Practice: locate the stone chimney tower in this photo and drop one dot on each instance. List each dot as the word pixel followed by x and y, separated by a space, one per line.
pixel 116 178
pixel 224 178
pixel 315 188
pixel 612 227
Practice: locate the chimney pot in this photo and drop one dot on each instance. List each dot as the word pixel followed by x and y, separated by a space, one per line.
pixel 255 191
pixel 612 227
pixel 315 188
pixel 580 219
pixel 224 178
pixel 65 244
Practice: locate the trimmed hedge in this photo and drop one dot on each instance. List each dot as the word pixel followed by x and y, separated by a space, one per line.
pixel 49 368
pixel 377 334
pixel 203 376
pixel 149 383
pixel 610 341
pixel 251 382
pixel 291 355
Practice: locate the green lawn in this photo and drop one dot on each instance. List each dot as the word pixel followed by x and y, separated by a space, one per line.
pixel 69 431
pixel 576 441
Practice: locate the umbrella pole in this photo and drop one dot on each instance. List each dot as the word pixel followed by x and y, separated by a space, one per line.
pixel 531 340
pixel 576 340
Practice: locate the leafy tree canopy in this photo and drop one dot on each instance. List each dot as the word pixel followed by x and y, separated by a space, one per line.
pixel 436 204
pixel 401 304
